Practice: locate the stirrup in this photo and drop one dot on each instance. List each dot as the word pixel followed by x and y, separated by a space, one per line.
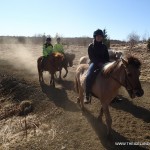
pixel 87 99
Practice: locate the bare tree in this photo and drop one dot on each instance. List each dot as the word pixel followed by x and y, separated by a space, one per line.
pixel 148 44
pixel 133 39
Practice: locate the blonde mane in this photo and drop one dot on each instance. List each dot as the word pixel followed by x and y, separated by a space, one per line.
pixel 57 54
pixel 109 67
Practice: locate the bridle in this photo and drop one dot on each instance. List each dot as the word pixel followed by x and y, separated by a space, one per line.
pixel 127 84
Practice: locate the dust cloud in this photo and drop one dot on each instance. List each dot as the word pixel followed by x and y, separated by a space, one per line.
pixel 22 57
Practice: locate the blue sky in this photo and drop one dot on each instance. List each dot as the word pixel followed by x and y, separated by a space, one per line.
pixel 75 18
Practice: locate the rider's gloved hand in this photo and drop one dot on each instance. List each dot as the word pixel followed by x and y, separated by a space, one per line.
pixel 100 64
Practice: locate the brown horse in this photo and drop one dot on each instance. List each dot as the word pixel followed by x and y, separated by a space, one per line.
pixel 105 87
pixel 68 61
pixel 53 64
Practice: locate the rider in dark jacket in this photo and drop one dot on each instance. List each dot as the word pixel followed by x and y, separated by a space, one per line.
pixel 98 54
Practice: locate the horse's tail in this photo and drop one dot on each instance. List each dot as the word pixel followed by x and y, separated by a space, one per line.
pixel 39 61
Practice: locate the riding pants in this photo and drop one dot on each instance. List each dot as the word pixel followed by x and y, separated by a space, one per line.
pixel 89 78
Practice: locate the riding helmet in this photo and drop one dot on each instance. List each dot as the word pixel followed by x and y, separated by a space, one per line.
pixel 98 32
pixel 48 39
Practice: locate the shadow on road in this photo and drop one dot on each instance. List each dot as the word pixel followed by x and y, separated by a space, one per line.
pixel 59 97
pixel 130 107
pixel 101 130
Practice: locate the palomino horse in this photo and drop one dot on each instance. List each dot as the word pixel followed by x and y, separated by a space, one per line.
pixel 68 61
pixel 52 65
pixel 105 87
pixel 114 55
pixel 84 60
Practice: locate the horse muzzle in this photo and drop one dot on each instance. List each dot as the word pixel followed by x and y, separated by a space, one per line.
pixel 134 93
pixel 139 92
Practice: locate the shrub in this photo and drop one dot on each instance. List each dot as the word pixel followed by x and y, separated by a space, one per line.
pixel 106 40
pixel 148 44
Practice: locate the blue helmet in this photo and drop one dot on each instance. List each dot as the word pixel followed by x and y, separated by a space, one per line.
pixel 98 32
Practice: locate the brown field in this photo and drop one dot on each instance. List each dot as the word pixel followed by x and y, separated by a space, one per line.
pixel 57 123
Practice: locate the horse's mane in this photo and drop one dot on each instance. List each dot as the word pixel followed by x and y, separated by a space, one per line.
pixel 109 67
pixel 57 54
pixel 132 60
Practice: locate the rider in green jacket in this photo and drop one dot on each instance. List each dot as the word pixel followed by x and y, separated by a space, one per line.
pixel 47 50
pixel 58 47
pixel 47 47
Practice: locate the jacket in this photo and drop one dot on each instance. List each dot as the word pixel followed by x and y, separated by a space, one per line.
pixel 47 49
pixel 98 53
pixel 58 48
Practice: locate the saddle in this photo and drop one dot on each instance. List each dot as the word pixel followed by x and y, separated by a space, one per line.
pixel 44 61
pixel 95 73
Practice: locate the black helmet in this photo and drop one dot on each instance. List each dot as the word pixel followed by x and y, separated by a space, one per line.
pixel 98 32
pixel 48 39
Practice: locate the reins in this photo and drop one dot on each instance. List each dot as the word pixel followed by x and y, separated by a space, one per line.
pixel 127 82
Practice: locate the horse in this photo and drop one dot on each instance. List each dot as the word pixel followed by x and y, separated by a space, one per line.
pixel 68 61
pixel 113 55
pixel 84 60
pixel 107 83
pixel 53 64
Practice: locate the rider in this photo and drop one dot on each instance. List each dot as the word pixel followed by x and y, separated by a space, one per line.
pixel 58 47
pixel 98 55
pixel 47 50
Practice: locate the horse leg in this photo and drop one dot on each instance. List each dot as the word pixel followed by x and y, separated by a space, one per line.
pixel 42 76
pixel 81 97
pixel 55 75
pixel 100 114
pixel 39 76
pixel 108 121
pixel 66 72
pixel 60 75
pixel 39 71
pixel 78 100
pixel 53 80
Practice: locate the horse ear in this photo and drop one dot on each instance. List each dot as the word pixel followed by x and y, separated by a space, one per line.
pixel 124 62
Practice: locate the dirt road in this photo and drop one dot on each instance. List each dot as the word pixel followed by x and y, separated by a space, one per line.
pixel 57 123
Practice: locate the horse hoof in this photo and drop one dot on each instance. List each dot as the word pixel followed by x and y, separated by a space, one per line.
pixel 78 100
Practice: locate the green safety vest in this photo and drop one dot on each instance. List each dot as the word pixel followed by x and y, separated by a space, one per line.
pixel 58 48
pixel 47 50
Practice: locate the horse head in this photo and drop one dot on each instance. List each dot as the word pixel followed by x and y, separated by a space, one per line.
pixel 132 74
pixel 118 55
pixel 57 59
pixel 70 57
